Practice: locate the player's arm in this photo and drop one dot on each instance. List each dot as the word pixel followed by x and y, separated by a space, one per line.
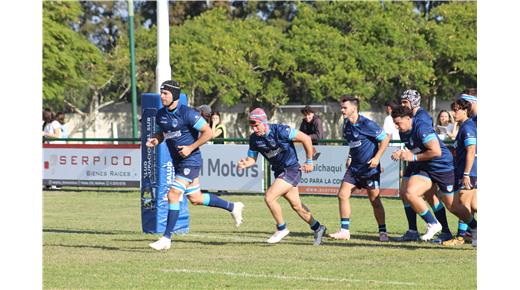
pixel 384 140
pixel 432 150
pixel 205 135
pixel 298 136
pixel 471 147
pixel 249 161
pixel 156 139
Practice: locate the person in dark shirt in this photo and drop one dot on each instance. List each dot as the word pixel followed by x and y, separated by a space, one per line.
pixel 311 125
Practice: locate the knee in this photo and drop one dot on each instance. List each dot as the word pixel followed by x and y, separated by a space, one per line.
pixel 269 199
pixel 344 195
pixel 196 200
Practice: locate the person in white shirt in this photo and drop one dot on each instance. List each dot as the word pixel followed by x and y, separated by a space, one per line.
pixel 389 125
pixel 51 127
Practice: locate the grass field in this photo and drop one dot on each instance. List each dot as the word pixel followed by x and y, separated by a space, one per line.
pixel 94 240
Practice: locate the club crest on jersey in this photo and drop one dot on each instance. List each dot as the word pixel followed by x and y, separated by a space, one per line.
pixel 272 142
pixel 175 122
pixel 449 188
pixel 186 171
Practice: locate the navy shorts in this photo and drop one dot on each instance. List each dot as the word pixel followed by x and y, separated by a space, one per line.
pixel 459 185
pixel 292 175
pixel 188 173
pixel 370 182
pixel 444 180
pixel 410 167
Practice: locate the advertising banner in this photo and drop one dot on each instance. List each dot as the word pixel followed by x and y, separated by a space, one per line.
pixel 330 167
pixel 91 165
pixel 220 169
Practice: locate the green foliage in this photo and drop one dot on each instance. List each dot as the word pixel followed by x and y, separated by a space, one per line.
pixel 70 62
pixel 265 53
pixel 452 34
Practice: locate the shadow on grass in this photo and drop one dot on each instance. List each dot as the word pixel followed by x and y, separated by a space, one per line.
pixel 106 248
pixel 91 232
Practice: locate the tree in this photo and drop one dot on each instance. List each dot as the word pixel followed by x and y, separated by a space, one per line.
pixel 452 33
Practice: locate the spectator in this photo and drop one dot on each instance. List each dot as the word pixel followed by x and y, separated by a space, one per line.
pixel 445 125
pixel 205 112
pixel 219 131
pixel 389 125
pixel 311 125
pixel 51 127
pixel 60 117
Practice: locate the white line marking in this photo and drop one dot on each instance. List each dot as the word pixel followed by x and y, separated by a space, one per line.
pixel 228 238
pixel 322 279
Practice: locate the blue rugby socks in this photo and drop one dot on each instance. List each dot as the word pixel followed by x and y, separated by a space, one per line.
pixel 215 201
pixel 315 225
pixel 428 217
pixel 281 227
pixel 440 213
pixel 173 216
pixel 345 223
pixel 411 216
pixel 462 229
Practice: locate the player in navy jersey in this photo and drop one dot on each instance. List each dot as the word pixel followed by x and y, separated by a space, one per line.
pixel 184 131
pixel 275 143
pixel 367 142
pixel 412 100
pixel 465 170
pixel 433 163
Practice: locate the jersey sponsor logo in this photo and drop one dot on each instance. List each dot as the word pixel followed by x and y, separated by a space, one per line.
pixel 174 134
pixel 354 144
pixel 273 153
pixel 163 121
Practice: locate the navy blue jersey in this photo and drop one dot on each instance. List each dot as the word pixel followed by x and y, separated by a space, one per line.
pixel 420 134
pixel 181 128
pixel 474 118
pixel 423 115
pixel 363 139
pixel 466 136
pixel 276 146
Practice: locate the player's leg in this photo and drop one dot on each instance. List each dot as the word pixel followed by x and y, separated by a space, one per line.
pixel 196 197
pixel 177 189
pixel 344 193
pixel 377 206
pixel 277 189
pixel 293 197
pixel 412 233
pixel 418 184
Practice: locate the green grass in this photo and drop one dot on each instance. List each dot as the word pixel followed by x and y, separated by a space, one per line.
pixel 94 240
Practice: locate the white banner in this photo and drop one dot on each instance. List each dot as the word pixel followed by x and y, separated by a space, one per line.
pixel 92 165
pixel 329 169
pixel 220 169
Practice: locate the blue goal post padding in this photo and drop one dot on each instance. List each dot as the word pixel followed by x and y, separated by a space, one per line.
pixel 157 172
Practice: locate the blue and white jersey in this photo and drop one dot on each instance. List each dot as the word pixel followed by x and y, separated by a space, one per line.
pixel 276 146
pixel 423 115
pixel 420 134
pixel 363 139
pixel 466 136
pixel 181 128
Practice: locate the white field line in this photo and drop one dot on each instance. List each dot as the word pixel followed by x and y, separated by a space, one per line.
pixel 321 279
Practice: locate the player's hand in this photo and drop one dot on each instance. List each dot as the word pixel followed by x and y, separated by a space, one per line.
pixel 152 142
pixel 373 163
pixel 467 182
pixel 396 155
pixel 407 155
pixel 242 164
pixel 185 151
pixel 307 167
